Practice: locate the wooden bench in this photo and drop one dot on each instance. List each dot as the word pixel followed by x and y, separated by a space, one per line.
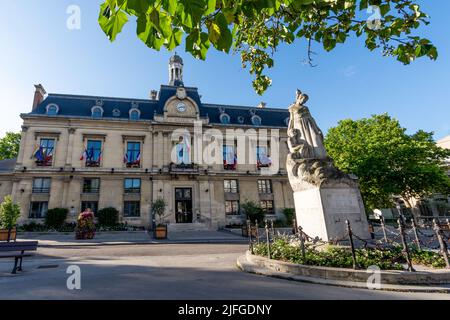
pixel 17 250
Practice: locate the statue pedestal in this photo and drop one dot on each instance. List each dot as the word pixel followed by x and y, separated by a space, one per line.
pixel 322 211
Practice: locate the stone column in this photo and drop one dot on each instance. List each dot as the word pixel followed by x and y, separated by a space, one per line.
pixel 69 157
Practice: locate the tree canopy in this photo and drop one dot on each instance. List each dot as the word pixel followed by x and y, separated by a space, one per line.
pixel 388 161
pixel 256 28
pixel 9 145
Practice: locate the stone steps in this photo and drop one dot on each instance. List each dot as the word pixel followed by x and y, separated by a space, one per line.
pixel 187 227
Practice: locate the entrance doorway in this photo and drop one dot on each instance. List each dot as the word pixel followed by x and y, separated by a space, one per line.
pixel 183 205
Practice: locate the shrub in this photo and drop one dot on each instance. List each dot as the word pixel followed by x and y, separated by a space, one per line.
pixel 159 207
pixel 108 217
pixel 55 218
pixel 253 211
pixel 289 213
pixel 332 256
pixel 9 213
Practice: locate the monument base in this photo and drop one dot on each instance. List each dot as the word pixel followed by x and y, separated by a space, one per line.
pixel 322 211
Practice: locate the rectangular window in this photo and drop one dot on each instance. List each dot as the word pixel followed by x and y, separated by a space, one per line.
pixel 44 154
pixel 91 185
pixel 229 157
pixel 230 186
pixel 131 209
pixel 262 157
pixel 231 207
pixel 267 206
pixel 264 186
pixel 93 153
pixel 132 185
pixel 38 209
pixel 133 155
pixel 41 185
pixel 93 205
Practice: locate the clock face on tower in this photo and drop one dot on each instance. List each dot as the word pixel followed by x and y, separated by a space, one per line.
pixel 181 107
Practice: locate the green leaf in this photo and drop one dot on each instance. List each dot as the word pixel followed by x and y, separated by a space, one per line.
pixel 113 26
pixel 170 6
pixel 223 39
pixel 148 33
pixel 211 7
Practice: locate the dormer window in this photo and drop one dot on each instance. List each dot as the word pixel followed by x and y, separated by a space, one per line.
pixel 116 113
pixel 256 120
pixel 97 112
pixel 52 109
pixel 135 114
pixel 224 118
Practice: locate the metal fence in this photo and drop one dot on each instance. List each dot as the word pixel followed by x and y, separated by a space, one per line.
pixel 434 235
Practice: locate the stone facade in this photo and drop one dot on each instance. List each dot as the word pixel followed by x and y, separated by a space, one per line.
pixel 158 176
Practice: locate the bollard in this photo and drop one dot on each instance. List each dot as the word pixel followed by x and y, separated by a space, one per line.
pixel 350 236
pixel 400 222
pixel 257 231
pixel 442 243
pixel 416 235
pixel 249 233
pixel 302 242
pixel 383 227
pixel 267 238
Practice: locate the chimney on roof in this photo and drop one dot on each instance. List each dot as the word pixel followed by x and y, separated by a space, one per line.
pixel 153 94
pixel 261 105
pixel 39 95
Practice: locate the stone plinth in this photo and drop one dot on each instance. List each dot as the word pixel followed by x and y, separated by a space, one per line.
pixel 322 211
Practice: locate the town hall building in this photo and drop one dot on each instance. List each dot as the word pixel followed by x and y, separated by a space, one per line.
pixel 81 152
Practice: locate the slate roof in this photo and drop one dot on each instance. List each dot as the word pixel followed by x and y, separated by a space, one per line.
pixel 80 106
pixel 7 165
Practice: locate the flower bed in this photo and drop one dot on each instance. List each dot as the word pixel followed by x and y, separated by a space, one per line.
pixel 289 250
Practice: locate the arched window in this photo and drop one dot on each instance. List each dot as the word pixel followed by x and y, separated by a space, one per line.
pixel 135 114
pixel 224 118
pixel 256 120
pixel 52 109
pixel 97 112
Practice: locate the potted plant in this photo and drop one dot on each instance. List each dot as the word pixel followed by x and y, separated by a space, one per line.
pixel 85 228
pixel 9 214
pixel 159 207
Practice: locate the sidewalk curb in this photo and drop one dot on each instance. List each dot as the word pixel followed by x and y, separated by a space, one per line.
pixel 101 244
pixel 244 265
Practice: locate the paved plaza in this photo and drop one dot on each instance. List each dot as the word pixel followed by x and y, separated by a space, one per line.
pixel 162 271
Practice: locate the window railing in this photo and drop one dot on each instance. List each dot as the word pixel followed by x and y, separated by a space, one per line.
pixel 41 190
pixel 133 164
pixel 91 190
pixel 44 163
pixel 133 190
pixel 92 163
pixel 229 166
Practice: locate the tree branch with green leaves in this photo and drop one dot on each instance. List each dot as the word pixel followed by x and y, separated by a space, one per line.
pixel 256 28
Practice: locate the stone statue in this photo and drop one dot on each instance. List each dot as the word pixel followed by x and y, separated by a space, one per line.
pixel 305 138
pixel 308 163
pixel 324 196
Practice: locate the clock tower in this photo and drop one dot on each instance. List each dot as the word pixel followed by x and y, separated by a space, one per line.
pixel 176 71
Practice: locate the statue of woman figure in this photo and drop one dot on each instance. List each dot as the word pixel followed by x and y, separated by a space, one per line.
pixel 305 137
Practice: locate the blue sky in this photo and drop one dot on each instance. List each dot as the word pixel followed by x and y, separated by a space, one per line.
pixel 349 82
